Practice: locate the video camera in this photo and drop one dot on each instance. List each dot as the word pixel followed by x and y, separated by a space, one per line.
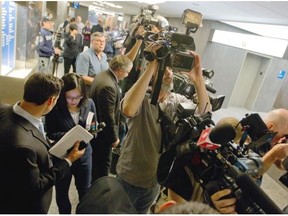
pixel 147 18
pixel 215 161
pixel 173 51
pixel 182 85
pixel 254 127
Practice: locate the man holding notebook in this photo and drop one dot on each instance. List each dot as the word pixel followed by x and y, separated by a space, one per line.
pixel 28 173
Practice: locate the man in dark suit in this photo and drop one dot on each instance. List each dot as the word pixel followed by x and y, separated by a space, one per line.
pixel 27 171
pixel 106 94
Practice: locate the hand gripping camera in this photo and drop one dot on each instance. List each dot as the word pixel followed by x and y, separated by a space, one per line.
pixel 216 164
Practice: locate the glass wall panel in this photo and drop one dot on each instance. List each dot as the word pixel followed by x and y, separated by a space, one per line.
pixel 20 28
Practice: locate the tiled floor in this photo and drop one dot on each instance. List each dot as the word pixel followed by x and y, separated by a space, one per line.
pixel 270 184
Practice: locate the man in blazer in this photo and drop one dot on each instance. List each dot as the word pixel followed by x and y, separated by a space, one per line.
pixel 106 94
pixel 27 171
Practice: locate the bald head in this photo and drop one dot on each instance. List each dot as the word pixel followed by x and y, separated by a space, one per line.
pixel 277 121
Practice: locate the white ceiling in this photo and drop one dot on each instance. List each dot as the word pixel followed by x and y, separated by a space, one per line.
pixel 258 12
pixel 268 12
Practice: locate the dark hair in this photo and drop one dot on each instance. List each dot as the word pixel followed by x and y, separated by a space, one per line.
pixel 73 81
pixel 73 26
pixel 40 87
pixel 72 19
pixel 190 208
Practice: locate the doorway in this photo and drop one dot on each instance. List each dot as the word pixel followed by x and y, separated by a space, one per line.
pixel 249 81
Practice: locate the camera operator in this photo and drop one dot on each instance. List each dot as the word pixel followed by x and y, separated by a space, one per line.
pixel 276 121
pixel 45 46
pixel 187 180
pixel 137 165
pixel 132 40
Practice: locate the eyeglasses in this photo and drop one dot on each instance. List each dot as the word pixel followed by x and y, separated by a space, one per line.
pixel 74 98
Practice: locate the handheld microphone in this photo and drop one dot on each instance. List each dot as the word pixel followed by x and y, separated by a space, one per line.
pixel 255 193
pixel 100 127
pixel 213 138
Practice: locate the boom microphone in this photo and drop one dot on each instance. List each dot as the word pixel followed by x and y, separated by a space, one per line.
pixel 253 191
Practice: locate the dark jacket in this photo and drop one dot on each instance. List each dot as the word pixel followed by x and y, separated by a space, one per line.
pixel 26 167
pixel 59 120
pixel 97 28
pixel 45 46
pixel 105 93
pixel 72 47
pixel 106 196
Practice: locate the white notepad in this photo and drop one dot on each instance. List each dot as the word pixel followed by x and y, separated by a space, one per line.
pixel 68 140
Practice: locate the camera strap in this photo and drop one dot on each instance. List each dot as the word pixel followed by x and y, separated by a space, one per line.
pixel 166 126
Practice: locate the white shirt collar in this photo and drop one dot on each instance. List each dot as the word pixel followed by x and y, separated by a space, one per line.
pixel 114 74
pixel 32 119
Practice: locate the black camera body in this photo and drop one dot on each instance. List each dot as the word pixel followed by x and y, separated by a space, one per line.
pixel 148 21
pixel 217 169
pixel 174 50
pixel 259 133
pixel 182 85
pixel 181 61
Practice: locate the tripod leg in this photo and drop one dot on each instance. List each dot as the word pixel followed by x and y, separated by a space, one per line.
pixel 53 70
pixel 56 69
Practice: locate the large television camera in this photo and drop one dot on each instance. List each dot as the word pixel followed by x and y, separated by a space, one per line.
pixel 147 19
pixel 215 161
pixel 182 85
pixel 174 48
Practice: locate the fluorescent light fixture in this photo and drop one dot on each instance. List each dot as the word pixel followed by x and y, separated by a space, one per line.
pixel 100 10
pixel 112 5
pixel 152 2
pixel 98 4
pixel 264 45
pixel 273 31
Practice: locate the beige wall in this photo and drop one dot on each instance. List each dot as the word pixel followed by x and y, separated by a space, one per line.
pixel 11 89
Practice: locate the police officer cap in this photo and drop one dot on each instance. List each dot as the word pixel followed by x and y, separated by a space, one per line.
pixel 46 19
